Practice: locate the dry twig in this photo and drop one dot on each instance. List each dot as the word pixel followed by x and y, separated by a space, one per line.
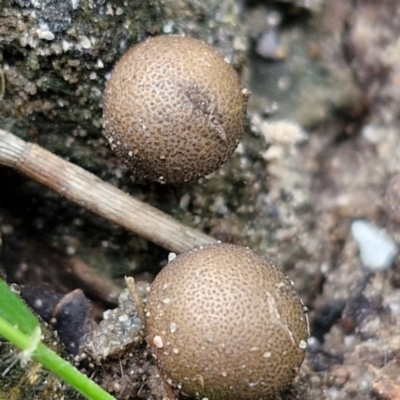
pixel 136 298
pixel 92 193
pixel 2 84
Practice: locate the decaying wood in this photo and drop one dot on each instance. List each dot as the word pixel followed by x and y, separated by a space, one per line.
pixel 92 193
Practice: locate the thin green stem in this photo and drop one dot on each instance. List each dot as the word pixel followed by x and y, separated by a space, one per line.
pixel 54 363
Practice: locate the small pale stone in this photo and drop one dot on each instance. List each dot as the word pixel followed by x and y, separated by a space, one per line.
pixel 158 342
pixel 377 249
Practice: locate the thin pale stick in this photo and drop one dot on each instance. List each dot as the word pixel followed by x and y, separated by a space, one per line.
pixel 101 198
pixel 136 297
pixel 2 84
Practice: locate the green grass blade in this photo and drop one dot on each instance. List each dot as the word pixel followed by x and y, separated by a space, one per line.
pixel 14 310
pixel 20 327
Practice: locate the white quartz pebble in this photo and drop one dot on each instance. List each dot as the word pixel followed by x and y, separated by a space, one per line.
pixel 377 249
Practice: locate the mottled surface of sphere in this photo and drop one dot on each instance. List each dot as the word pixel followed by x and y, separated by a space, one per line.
pixel 224 323
pixel 174 109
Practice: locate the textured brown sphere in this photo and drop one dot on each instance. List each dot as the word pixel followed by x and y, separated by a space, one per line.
pixel 174 109
pixel 224 323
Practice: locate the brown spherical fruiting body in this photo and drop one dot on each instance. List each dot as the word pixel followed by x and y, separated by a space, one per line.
pixel 224 323
pixel 174 109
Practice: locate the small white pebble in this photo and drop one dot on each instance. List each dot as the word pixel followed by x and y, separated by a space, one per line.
pixel 171 256
pixel 44 32
pixel 123 318
pixel 269 45
pixel 158 342
pixel 99 63
pixel 173 327
pixel 75 4
pixel 38 303
pixel 66 45
pixel 303 344
pixel 373 133
pixel 109 10
pixel 184 201
pixel 85 42
pixel 168 27
pixel 377 249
